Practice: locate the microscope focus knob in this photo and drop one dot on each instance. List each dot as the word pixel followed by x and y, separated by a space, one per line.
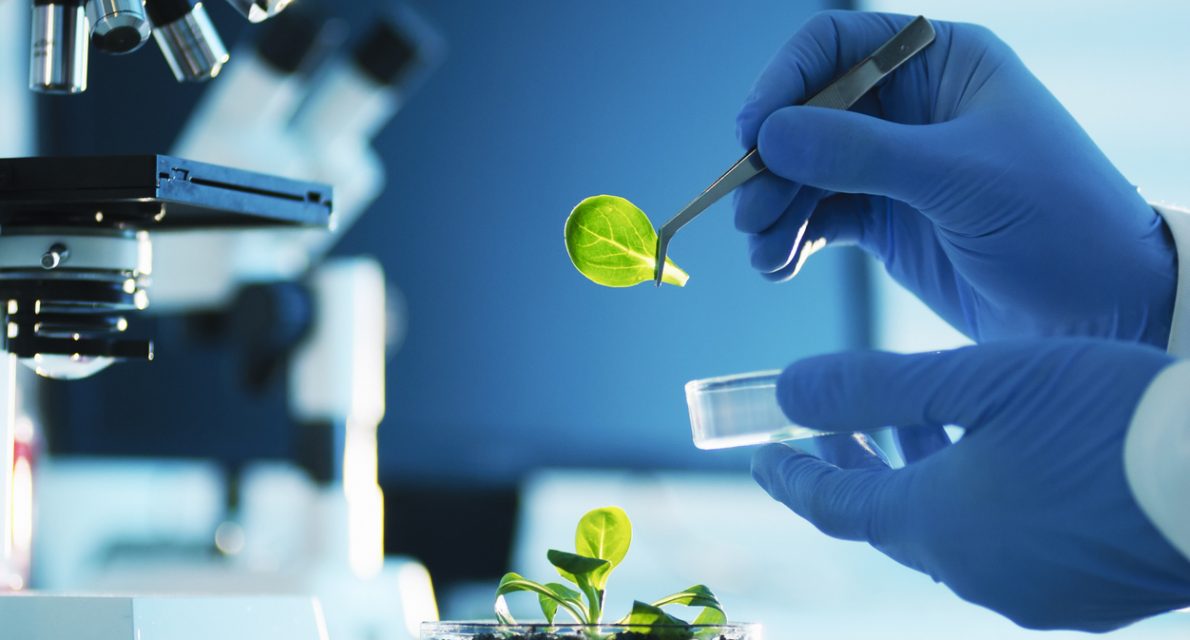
pixel 54 256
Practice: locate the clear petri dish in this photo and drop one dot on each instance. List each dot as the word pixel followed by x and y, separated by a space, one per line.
pixel 563 631
pixel 738 411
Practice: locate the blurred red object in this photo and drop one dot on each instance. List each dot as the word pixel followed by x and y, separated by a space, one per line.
pixel 16 564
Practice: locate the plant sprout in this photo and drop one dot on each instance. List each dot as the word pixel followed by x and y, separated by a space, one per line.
pixel 601 542
pixel 612 243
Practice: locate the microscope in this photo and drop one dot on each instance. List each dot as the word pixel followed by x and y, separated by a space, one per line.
pixel 240 216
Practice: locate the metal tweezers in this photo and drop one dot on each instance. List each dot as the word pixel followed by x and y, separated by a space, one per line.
pixel 840 94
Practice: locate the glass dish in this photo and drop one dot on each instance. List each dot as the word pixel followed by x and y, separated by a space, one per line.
pixel 739 410
pixel 543 631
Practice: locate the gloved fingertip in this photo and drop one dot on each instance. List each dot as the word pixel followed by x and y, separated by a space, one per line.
pixel 797 259
pixel 747 124
pixel 795 389
pixel 767 460
pixel 781 146
pixel 759 203
pixel 842 392
pixel 742 135
pixel 768 254
pixel 781 275
pixel 776 248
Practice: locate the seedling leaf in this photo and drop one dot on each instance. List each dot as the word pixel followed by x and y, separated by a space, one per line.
pixel 580 570
pixel 696 596
pixel 602 540
pixel 605 534
pixel 513 582
pixel 612 243
pixel 657 623
pixel 549 605
pixel 711 615
pixel 503 615
pixel 573 567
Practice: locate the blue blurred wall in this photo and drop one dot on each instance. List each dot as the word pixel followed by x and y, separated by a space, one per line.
pixel 512 359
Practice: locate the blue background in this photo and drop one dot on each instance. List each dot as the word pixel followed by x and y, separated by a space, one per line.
pixel 512 357
pixel 512 360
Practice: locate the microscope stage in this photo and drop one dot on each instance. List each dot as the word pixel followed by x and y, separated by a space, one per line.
pixel 38 616
pixel 154 192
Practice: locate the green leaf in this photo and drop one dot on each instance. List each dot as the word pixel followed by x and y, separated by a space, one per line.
pixel 697 596
pixel 580 570
pixel 651 620
pixel 606 534
pixel 565 598
pixel 503 615
pixel 549 605
pixel 574 567
pixel 711 616
pixel 710 621
pixel 612 243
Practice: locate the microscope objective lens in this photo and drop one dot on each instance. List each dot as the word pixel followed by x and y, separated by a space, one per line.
pixel 118 26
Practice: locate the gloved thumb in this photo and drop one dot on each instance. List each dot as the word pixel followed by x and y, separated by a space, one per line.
pixel 852 152
pixel 842 503
pixel 861 391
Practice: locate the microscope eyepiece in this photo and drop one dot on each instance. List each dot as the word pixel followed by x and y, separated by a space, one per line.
pixel 118 26
pixel 58 52
pixel 299 39
pixel 388 53
pixel 187 38
pixel 259 10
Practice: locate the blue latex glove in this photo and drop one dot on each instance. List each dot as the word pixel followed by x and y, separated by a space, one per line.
pixel 1028 514
pixel 972 184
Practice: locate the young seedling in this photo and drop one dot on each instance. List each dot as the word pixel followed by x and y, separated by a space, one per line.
pixel 601 542
pixel 613 243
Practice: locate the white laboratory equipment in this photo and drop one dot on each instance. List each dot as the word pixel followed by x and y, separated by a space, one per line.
pixel 291 533
pixel 115 617
pixel 75 259
pixel 314 125
pixel 311 540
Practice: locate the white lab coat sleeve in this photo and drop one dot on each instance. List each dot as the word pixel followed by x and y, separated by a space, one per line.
pixel 1178 221
pixel 1157 446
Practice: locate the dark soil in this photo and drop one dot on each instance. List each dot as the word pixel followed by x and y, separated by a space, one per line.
pixel 534 636
pixel 625 635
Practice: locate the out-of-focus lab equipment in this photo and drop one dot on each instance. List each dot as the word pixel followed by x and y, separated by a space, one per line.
pixel 237 232
pixel 77 260
pixel 63 31
pixel 843 93
pixel 258 10
pixel 271 112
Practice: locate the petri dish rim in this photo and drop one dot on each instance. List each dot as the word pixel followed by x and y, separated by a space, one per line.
pixel 766 378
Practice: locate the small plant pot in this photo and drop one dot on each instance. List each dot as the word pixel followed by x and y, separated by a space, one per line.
pixel 543 631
